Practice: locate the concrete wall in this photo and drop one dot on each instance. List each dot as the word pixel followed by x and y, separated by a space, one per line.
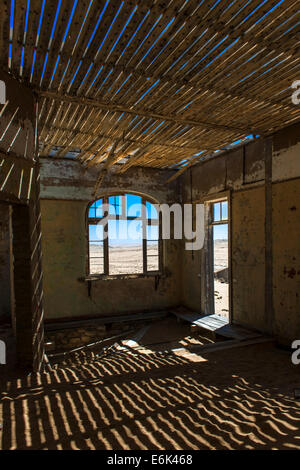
pixel 66 190
pixel 4 263
pixel 241 172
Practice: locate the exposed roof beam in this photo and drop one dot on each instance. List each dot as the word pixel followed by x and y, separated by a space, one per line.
pixel 139 142
pixel 29 162
pixel 218 27
pixel 109 162
pixel 177 174
pixel 133 159
pixel 198 88
pixel 140 112
pixel 167 79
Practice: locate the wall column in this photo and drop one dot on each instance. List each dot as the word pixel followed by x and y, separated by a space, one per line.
pixel 28 295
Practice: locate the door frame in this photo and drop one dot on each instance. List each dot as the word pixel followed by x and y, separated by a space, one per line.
pixel 207 293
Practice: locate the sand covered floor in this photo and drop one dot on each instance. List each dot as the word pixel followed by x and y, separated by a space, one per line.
pixel 165 335
pixel 221 288
pixel 232 399
pixel 221 298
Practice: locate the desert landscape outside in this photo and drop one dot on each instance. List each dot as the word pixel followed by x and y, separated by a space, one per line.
pixel 221 284
pixel 127 258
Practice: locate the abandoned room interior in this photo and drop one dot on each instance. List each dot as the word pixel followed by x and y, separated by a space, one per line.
pixel 149 224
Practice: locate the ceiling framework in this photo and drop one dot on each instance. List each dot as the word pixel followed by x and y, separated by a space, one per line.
pixel 151 82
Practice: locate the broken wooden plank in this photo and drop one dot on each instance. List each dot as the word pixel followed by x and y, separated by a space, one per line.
pixel 216 324
pixel 223 345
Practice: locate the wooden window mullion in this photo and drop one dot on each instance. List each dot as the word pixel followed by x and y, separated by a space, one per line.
pixel 160 243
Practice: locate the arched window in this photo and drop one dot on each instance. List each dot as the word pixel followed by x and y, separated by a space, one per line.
pixel 124 236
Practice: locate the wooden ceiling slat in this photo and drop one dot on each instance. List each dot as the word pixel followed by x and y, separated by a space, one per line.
pixel 96 41
pixel 88 102
pixel 62 23
pixel 18 34
pixel 219 71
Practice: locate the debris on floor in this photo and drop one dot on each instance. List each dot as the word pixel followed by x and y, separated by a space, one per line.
pixel 148 337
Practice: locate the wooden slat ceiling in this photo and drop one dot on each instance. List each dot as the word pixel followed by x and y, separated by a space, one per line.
pixel 161 82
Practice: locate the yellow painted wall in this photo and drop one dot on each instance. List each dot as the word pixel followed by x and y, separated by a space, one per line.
pixel 64 258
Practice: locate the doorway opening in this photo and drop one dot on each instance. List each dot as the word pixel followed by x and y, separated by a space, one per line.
pixel 219 258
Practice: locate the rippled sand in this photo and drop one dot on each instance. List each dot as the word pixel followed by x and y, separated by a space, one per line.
pixel 231 399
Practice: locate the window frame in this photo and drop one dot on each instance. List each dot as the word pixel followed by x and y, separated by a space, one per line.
pixel 221 221
pixel 149 222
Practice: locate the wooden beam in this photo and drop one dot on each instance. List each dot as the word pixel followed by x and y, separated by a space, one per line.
pixel 20 161
pixel 133 159
pixel 103 170
pixel 139 142
pixel 140 112
pixel 177 174
pixel 228 344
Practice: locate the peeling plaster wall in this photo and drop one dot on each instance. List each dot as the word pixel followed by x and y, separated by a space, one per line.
pixel 241 172
pixel 64 244
pixel 248 257
pixel 286 154
pixel 4 263
pixel 286 234
pixel 232 171
pixel 68 179
pixel 286 259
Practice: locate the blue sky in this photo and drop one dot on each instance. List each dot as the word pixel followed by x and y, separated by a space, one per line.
pixel 126 232
pixel 220 212
pixel 130 232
